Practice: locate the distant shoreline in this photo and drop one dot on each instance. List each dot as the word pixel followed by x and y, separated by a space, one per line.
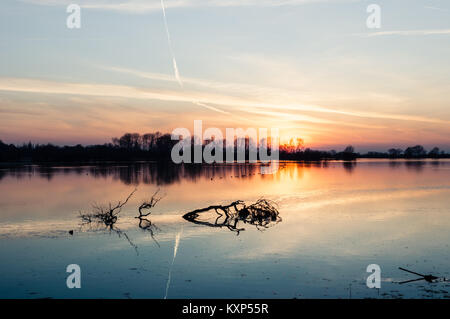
pixel 133 162
pixel 157 147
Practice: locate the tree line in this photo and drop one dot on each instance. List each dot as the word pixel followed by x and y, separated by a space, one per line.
pixel 158 146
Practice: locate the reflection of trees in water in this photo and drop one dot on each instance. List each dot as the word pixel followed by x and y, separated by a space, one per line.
pixel 136 173
pixel 349 166
pixel 262 214
pixel 417 166
pixel 165 174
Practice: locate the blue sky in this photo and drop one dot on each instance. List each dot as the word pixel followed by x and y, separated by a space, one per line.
pixel 311 68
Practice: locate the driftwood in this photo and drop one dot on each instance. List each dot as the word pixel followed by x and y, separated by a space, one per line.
pixel 262 214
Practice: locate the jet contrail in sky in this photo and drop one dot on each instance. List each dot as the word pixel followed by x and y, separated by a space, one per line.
pixel 212 108
pixel 175 251
pixel 174 61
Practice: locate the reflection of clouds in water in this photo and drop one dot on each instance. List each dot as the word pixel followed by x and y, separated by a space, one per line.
pixel 175 251
pixel 322 198
pixel 323 209
pixel 355 226
pixel 60 228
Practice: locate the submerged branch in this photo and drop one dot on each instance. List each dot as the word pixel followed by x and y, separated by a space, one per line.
pixel 148 205
pixel 262 214
pixel 105 217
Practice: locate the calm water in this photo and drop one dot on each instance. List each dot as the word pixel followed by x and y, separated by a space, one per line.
pixel 337 218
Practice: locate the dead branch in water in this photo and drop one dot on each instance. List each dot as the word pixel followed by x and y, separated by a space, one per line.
pixel 148 205
pixel 262 215
pixel 144 223
pixel 105 217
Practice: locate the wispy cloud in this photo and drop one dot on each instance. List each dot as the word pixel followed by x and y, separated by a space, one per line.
pixel 145 6
pixel 210 99
pixel 405 33
pixel 435 8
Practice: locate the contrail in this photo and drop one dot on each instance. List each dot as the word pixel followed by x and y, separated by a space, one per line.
pixel 212 108
pixel 174 61
pixel 175 251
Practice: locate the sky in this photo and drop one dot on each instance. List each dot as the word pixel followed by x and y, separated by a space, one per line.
pixel 311 68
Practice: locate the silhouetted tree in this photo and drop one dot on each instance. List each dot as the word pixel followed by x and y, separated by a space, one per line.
pixel 395 152
pixel 348 154
pixel 417 151
pixel 434 153
pixel 157 147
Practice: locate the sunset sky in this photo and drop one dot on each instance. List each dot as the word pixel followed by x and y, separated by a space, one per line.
pixel 311 68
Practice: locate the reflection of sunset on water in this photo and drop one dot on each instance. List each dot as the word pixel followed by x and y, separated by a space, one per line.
pixel 335 218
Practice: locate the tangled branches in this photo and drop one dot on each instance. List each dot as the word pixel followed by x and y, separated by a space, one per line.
pixel 148 205
pixel 144 223
pixel 105 217
pixel 262 214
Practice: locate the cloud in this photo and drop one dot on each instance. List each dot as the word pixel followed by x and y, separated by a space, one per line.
pixel 254 104
pixel 406 33
pixel 211 99
pixel 435 8
pixel 146 6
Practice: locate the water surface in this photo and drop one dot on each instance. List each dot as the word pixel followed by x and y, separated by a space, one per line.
pixel 337 218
